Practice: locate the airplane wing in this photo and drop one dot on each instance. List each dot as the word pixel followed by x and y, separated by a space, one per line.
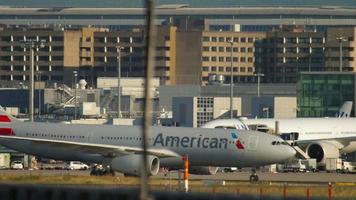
pixel 103 149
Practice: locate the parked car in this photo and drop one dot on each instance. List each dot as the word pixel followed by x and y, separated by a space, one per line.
pixel 17 165
pixel 76 165
pixel 230 169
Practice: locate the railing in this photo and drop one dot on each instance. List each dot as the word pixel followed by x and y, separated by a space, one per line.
pixel 81 192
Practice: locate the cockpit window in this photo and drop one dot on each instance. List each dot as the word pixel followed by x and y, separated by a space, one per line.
pixel 225 127
pixel 280 143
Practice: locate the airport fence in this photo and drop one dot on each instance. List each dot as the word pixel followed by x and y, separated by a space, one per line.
pixel 83 192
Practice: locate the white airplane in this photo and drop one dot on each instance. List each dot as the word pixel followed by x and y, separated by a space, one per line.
pixel 345 110
pixel 318 138
pixel 120 146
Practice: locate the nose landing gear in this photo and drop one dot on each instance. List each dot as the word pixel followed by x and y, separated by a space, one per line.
pixel 253 177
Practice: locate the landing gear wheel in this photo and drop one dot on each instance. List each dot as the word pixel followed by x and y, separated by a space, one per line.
pixel 253 178
pixel 99 170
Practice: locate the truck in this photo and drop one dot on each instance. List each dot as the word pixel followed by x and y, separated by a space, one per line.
pixel 334 165
pixel 339 165
pixel 310 164
pixel 295 165
pixel 349 167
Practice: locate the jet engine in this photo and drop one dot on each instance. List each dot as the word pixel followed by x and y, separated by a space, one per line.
pixel 130 164
pixel 322 150
pixel 203 170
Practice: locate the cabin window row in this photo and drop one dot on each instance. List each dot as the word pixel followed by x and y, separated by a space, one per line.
pixel 56 136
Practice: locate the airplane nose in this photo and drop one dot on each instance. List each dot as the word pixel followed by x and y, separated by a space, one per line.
pixel 290 152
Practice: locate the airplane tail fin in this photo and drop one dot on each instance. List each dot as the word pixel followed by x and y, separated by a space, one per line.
pixel 345 110
pixel 6 117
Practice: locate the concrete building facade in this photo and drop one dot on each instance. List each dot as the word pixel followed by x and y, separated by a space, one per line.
pixel 343 37
pixel 274 107
pixel 247 92
pixel 185 17
pixel 288 52
pixel 92 52
pixel 15 57
pixel 201 55
pixel 196 111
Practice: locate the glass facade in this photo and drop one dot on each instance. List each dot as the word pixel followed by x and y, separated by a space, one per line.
pixel 322 94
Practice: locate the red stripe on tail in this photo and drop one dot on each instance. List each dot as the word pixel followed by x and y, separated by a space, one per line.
pixel 6 131
pixel 4 118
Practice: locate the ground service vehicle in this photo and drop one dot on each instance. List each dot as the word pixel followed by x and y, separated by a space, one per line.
pixel 76 165
pixel 17 165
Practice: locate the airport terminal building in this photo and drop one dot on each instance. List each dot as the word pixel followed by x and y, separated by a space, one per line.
pixel 321 94
pixel 184 17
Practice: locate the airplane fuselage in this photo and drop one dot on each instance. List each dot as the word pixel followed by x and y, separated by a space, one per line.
pixel 314 128
pixel 205 147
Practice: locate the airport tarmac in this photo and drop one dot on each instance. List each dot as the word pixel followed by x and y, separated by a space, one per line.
pixel 320 177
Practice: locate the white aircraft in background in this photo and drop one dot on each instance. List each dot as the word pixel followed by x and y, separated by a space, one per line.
pixel 318 138
pixel 345 110
pixel 120 146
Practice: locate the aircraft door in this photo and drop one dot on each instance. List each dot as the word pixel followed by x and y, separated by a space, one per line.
pixel 294 136
pixel 90 136
pixel 290 136
pixel 252 143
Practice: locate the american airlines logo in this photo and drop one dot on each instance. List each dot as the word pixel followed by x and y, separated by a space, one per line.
pixel 190 142
pixel 237 141
pixel 6 131
pixel 4 118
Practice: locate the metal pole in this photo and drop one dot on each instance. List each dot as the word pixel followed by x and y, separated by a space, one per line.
pixel 39 95
pixel 310 53
pixel 341 39
pixel 75 95
pixel 231 82
pixel 118 48
pixel 309 60
pixel 258 85
pixel 341 54
pixel 31 86
pixel 32 44
pixel 150 62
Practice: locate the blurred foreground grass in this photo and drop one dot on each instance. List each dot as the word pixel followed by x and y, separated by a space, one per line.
pixel 346 191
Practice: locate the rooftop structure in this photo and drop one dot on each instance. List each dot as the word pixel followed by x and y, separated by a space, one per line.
pixel 180 16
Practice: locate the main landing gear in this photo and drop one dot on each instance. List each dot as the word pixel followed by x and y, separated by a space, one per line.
pixel 99 170
pixel 253 176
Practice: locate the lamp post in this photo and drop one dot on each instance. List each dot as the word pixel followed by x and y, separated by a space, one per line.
pixel 309 60
pixel 258 82
pixel 118 49
pixel 39 93
pixel 75 73
pixel 231 42
pixel 266 109
pixel 341 40
pixel 32 44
